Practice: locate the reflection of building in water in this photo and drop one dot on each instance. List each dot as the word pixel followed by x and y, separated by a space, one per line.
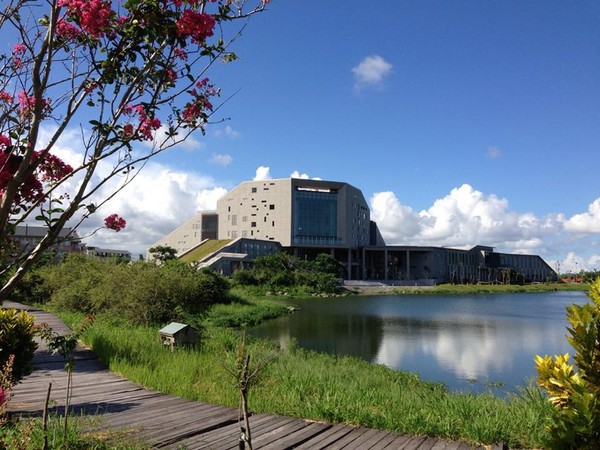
pixel 359 336
pixel 308 217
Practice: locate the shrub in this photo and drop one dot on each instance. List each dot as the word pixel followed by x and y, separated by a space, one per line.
pixel 244 277
pixel 17 332
pixel 574 389
pixel 69 283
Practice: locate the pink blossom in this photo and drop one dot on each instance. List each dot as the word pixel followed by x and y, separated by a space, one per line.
pixel 27 103
pixel 30 190
pixel 4 142
pixel 115 222
pixel 147 126
pixel 171 76
pixel 51 168
pixel 200 103
pixel 93 16
pixel 181 54
pixel 198 26
pixel 6 97
pixel 19 49
pixel 66 30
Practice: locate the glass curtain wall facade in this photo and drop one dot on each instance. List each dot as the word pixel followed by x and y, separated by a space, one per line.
pixel 315 217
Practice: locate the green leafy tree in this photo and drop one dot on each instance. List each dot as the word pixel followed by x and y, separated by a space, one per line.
pixel 574 385
pixel 118 74
pixel 163 253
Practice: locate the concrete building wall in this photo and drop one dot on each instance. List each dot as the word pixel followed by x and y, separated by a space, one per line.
pixel 257 210
pixel 187 235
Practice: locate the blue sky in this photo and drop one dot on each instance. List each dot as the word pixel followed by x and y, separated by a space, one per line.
pixel 462 122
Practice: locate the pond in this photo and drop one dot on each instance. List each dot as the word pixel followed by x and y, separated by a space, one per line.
pixel 471 343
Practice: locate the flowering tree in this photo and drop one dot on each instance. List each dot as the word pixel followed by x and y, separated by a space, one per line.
pixel 122 72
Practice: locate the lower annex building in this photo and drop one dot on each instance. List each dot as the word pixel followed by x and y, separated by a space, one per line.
pixel 308 217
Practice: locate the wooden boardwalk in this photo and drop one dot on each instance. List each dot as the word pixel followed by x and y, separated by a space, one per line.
pixel 169 422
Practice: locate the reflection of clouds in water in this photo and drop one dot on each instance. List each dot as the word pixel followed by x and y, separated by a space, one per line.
pixel 473 350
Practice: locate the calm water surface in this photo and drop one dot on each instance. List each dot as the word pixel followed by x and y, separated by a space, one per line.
pixel 470 343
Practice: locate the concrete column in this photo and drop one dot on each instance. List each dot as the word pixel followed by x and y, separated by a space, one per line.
pixel 349 263
pixel 363 267
pixel 385 264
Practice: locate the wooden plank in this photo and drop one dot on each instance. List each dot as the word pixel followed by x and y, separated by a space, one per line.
pixel 186 428
pixel 386 441
pixel 444 444
pixel 380 440
pixel 361 441
pixel 277 433
pixel 413 443
pixel 398 441
pixel 298 437
pixel 326 438
pixel 220 438
pixel 149 416
pixel 428 443
pixel 274 423
pixel 347 439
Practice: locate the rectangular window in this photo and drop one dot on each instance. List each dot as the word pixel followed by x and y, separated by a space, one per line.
pixel 253 190
pixel 253 224
pixel 315 216
pixel 271 207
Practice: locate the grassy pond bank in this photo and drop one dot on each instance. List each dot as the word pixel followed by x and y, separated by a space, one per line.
pixel 317 386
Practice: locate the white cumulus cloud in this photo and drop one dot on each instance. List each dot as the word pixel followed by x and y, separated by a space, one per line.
pixel 156 202
pixel 371 72
pixel 302 176
pixel 463 218
pixel 587 222
pixel 262 173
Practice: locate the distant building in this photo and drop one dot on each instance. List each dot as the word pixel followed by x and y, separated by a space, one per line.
pixel 28 236
pixel 308 217
pixel 98 252
pixel 296 212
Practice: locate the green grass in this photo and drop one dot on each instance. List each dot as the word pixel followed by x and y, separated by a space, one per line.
pixel 204 250
pixel 317 386
pixel 245 310
pixel 28 434
pixel 464 289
